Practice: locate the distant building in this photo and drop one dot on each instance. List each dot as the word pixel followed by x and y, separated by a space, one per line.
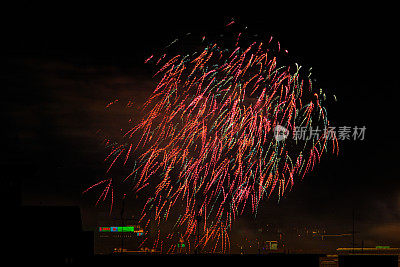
pixel 379 250
pixel 111 239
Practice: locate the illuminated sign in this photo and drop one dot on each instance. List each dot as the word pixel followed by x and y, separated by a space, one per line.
pixel 122 229
pixel 382 247
pixel 272 245
pixel 117 229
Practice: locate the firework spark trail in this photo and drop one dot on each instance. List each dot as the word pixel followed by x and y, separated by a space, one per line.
pixel 211 118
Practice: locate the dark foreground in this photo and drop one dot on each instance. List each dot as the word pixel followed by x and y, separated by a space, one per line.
pixel 311 260
pixel 54 236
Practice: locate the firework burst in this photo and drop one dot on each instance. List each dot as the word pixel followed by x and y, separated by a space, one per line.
pixel 205 146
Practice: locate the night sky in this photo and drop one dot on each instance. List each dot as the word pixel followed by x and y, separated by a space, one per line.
pixel 63 65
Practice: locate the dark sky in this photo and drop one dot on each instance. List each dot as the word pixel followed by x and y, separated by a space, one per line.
pixel 63 64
